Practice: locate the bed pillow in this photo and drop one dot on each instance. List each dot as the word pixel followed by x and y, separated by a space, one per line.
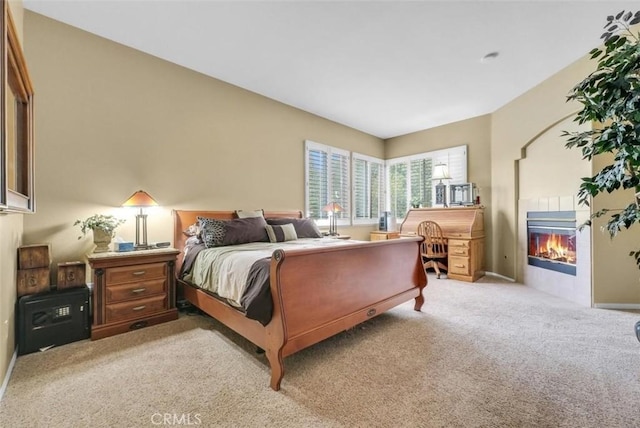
pixel 192 230
pixel 305 227
pixel 216 233
pixel 249 214
pixel 245 230
pixel 212 231
pixel 281 233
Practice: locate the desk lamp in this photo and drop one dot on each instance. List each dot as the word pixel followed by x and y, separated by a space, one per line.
pixel 441 172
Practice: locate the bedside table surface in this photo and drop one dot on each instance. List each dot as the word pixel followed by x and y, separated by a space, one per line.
pixel 134 253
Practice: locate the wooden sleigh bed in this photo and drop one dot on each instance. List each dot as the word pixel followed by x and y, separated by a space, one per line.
pixel 317 292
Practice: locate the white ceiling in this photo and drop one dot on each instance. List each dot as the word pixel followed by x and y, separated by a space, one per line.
pixel 387 68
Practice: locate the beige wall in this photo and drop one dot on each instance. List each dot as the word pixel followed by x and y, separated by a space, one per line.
pixel 112 120
pixel 616 278
pixel 548 169
pixel 476 134
pixel 11 226
pixel 513 127
pixel 516 125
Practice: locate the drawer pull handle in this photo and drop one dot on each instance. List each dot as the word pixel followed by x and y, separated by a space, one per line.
pixel 138 290
pixel 139 308
pixel 371 312
pixel 459 252
pixel 459 266
pixel 138 273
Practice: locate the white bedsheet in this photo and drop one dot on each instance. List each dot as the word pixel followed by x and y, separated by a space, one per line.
pixel 224 270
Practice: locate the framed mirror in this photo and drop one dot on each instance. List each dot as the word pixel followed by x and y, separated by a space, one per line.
pixel 17 183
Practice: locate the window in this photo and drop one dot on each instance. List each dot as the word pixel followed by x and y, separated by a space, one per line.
pixel 409 178
pixel 327 180
pixel 368 189
pixel 16 154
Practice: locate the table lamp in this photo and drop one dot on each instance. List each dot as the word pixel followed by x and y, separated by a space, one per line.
pixel 441 172
pixel 141 199
pixel 332 208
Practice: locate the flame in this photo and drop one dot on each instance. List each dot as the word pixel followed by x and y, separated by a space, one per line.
pixel 554 247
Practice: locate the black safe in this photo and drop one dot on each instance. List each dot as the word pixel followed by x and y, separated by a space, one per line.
pixel 52 319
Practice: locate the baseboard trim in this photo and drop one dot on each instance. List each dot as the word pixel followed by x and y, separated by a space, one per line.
pixel 506 278
pixel 619 306
pixel 7 376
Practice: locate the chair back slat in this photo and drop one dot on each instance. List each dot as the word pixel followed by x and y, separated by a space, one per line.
pixel 434 244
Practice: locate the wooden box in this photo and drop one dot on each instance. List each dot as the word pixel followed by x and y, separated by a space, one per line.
pixel 34 256
pixel 32 281
pixel 71 274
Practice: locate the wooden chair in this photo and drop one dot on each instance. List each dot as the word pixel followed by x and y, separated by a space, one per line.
pixel 434 246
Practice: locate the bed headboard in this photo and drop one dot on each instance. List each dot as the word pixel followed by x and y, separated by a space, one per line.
pixel 182 219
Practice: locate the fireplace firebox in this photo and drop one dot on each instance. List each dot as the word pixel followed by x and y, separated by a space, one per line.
pixel 552 240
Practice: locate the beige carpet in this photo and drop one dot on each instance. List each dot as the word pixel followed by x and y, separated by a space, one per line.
pixel 488 354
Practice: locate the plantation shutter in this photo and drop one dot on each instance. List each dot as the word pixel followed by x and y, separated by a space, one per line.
pixel 398 189
pixel 340 186
pixel 368 188
pixel 421 193
pixel 327 180
pixel 317 182
pixel 409 178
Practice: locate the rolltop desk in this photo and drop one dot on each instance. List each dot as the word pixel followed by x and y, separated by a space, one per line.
pixel 464 229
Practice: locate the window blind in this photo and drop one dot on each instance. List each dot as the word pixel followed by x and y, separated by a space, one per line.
pixel 368 188
pixel 327 178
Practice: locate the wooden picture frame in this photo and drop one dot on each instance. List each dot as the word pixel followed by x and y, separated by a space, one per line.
pixel 17 190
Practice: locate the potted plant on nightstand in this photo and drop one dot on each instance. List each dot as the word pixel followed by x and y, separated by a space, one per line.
pixel 611 97
pixel 103 227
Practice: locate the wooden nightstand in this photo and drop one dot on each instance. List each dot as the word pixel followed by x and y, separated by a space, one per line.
pixel 378 235
pixel 132 290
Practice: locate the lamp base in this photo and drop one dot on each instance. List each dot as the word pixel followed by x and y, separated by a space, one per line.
pixel 441 195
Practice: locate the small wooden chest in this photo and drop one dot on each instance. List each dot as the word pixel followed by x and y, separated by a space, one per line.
pixel 32 281
pixel 34 256
pixel 71 274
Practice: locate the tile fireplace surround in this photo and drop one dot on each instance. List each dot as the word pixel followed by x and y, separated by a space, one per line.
pixel 574 288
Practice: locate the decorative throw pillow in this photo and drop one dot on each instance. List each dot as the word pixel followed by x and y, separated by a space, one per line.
pixel 282 233
pixel 212 231
pixel 193 230
pixel 305 227
pixel 245 230
pixel 249 214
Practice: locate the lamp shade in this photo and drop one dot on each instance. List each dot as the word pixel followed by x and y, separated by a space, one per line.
pixel 441 172
pixel 140 199
pixel 332 207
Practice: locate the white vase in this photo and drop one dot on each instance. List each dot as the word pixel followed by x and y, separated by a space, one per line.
pixel 102 240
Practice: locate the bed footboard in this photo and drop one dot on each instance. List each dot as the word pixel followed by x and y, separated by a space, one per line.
pixel 318 293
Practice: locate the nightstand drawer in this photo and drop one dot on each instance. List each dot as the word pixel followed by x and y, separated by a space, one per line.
pixel 459 265
pixel 137 273
pixel 135 308
pixel 135 290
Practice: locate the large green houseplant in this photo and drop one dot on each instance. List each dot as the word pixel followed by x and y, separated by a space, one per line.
pixel 610 97
pixel 103 227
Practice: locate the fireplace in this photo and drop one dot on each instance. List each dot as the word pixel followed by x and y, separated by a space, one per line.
pixel 552 240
